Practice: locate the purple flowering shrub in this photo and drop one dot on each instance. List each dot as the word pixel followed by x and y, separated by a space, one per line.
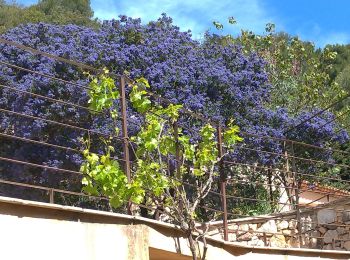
pixel 219 81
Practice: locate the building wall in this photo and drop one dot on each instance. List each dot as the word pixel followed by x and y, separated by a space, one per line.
pixel 311 198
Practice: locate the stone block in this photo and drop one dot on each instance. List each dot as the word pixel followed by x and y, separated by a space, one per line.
pixel 243 228
pixel 313 243
pixel 278 241
pixel 256 242
pixel 287 232
pixel 331 226
pixel 347 245
pixel 232 237
pixel 322 230
pixel 326 216
pixel 328 247
pixel 245 237
pixel 253 227
pixel 293 242
pixel 233 227
pixel 282 225
pixel 292 224
pixel 345 236
pixel 346 216
pixel 268 227
pixel 330 235
pixel 341 230
pixel 315 233
pixel 339 208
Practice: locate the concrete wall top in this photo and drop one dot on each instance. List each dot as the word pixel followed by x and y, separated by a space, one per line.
pixel 34 230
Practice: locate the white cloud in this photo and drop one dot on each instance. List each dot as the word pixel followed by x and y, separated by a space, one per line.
pixel 195 15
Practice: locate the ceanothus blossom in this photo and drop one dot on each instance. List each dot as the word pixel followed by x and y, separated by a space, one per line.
pixel 219 81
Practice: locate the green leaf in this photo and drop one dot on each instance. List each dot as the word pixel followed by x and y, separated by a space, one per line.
pixel 116 201
pixel 232 20
pixel 90 190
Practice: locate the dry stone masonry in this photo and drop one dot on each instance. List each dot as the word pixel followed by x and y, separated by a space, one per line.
pixel 321 228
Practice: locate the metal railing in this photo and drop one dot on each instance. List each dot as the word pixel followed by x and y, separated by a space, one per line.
pixel 225 194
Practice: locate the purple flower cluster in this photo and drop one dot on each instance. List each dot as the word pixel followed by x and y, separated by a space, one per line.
pixel 220 81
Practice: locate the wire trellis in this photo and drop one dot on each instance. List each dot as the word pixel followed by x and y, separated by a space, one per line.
pixel 225 197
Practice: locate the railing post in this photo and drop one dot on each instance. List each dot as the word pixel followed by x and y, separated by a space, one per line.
pixel 289 186
pixel 222 183
pixel 124 119
pixel 51 195
pixel 177 158
pixel 177 150
pixel 296 184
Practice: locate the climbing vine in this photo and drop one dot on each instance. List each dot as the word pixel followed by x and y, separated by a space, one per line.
pixel 156 146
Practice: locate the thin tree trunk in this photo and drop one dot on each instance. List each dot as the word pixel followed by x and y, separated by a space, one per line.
pixel 192 246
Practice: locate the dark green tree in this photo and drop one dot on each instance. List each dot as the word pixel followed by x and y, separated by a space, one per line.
pixel 66 11
pixel 342 60
pixel 49 11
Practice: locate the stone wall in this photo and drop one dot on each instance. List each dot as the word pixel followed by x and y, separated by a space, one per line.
pixel 321 228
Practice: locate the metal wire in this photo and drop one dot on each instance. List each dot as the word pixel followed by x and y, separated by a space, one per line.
pixel 48 55
pixel 61 124
pixel 196 115
pixel 185 111
pixel 38 165
pixel 342 129
pixel 104 198
pixel 313 189
pixel 318 113
pixel 47 144
pixel 292 157
pixel 39 142
pixel 50 99
pixel 45 75
pixel 186 183
pixel 254 199
pixel 80 194
pixel 335 118
pixel 294 142
pixel 277 154
pixel 285 171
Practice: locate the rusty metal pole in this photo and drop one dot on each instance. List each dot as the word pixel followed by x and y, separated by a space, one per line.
pixel 177 150
pixel 177 158
pixel 290 186
pixel 124 119
pixel 51 194
pixel 296 184
pixel 222 184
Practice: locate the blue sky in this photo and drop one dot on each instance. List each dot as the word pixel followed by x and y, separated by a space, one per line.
pixel 320 21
